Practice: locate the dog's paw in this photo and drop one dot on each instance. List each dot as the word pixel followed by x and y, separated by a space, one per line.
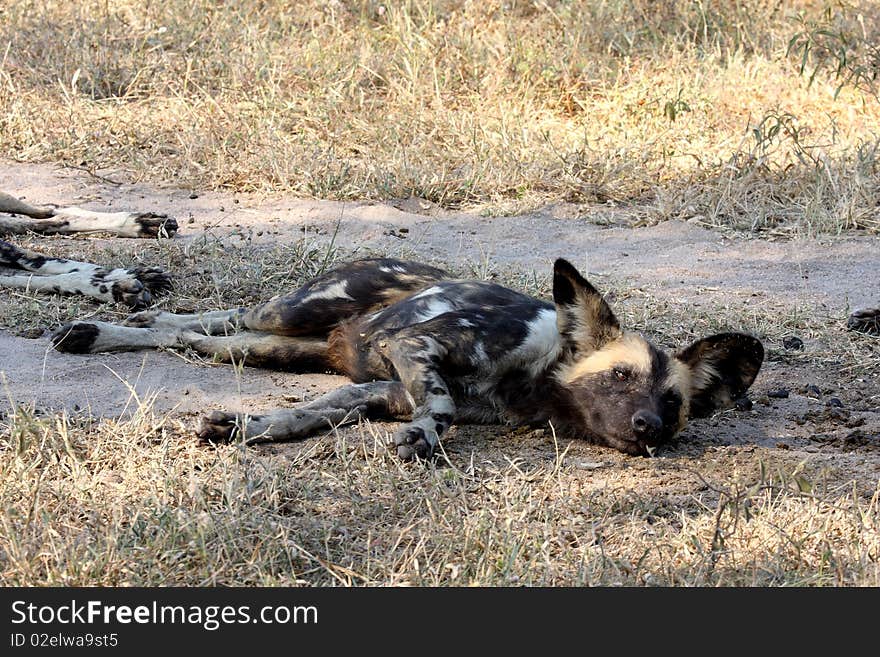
pixel 75 338
pixel 151 224
pixel 132 293
pixel 411 442
pixel 155 279
pixel 218 427
pixel 866 320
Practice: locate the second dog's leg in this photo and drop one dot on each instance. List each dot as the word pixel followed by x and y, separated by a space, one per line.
pixel 101 286
pixel 49 220
pixel 133 287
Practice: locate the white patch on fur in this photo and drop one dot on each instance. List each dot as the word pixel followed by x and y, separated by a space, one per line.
pixel 386 270
pixel 123 224
pixel 680 378
pixel 479 356
pixel 541 346
pixel 703 376
pixel 428 292
pixel 465 323
pixel 399 269
pixel 440 404
pixel 434 308
pixel 335 291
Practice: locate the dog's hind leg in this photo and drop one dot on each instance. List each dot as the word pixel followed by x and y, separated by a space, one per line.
pixel 345 405
pixel 13 205
pixel 248 347
pixel 214 322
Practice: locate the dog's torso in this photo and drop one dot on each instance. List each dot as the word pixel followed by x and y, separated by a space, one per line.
pixel 492 344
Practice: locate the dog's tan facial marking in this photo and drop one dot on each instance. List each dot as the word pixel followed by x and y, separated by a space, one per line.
pixel 629 354
pixel 678 383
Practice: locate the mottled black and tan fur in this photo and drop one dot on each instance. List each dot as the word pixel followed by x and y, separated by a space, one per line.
pixel 431 350
pixel 23 269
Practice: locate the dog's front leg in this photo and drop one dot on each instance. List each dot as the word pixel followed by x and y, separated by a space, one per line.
pixel 417 361
pixel 377 399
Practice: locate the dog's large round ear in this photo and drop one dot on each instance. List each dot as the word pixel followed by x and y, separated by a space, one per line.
pixel 583 318
pixel 722 367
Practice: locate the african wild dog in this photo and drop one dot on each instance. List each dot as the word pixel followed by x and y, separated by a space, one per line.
pixel 424 347
pixel 24 269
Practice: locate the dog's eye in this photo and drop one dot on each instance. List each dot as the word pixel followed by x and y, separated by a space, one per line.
pixel 620 375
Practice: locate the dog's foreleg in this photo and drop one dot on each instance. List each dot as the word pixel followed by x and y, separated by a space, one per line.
pixel 116 285
pixel 416 359
pixel 133 287
pixel 342 406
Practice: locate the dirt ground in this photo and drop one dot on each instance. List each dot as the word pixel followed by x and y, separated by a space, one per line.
pixel 829 418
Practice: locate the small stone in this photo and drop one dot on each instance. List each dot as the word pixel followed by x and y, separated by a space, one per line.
pixel 781 445
pixel 31 333
pixel 743 404
pixel 193 196
pixel 812 390
pixel 835 402
pixel 793 343
pixel 781 393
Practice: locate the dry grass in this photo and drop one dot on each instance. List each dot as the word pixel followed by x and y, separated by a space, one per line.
pixel 756 114
pixel 136 502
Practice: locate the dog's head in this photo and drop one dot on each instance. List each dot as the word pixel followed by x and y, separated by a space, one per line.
pixel 626 393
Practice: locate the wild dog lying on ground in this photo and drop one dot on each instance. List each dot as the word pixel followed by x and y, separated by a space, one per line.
pixel 24 269
pixel 426 348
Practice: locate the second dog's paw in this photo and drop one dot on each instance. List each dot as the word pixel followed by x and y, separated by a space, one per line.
pixel 132 293
pixel 155 279
pixel 152 224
